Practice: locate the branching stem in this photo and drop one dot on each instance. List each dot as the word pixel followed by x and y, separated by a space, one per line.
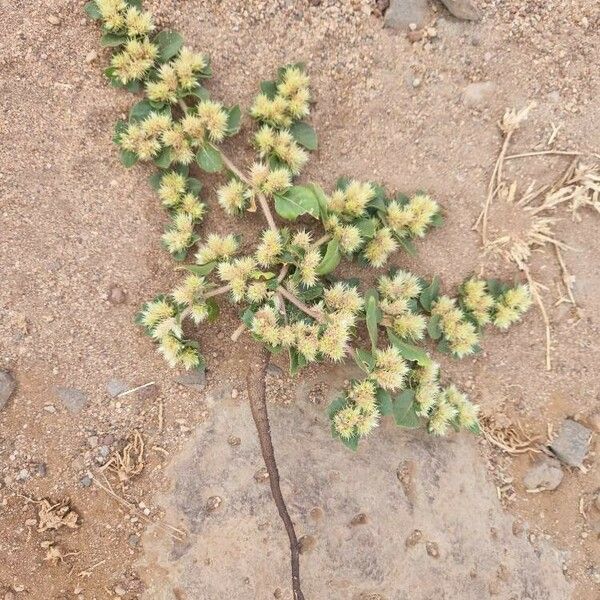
pixel 316 315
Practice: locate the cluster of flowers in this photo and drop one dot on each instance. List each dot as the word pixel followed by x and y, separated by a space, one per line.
pixel 178 195
pixel 359 411
pixel 362 220
pixel 285 101
pixel 281 157
pixel 399 293
pixel 162 319
pixel 146 138
pixel 327 338
pixel 460 322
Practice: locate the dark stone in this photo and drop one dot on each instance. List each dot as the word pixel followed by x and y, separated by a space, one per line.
pixel 571 444
pixel 7 387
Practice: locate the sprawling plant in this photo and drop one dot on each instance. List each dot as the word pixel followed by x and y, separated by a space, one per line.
pixel 288 295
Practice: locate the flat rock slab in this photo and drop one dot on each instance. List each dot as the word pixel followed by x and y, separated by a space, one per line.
pixel 408 516
pixel 571 444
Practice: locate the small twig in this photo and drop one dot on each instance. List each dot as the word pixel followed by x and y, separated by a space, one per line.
pixel 540 303
pixel 231 166
pixel 317 316
pixel 322 240
pixel 161 419
pixel 165 526
pixel 552 153
pixel 493 186
pixel 135 389
pixel 566 276
pixel 218 291
pixel 264 206
pixel 238 332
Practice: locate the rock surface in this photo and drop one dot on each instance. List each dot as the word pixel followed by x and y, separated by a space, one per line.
pixel 7 387
pixel 478 94
pixel 73 400
pixel 401 13
pixel 571 444
pixel 240 551
pixel 463 9
pixel 545 474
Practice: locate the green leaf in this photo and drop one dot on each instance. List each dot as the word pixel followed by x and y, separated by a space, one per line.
pixel 193 185
pixel 154 180
pixel 163 158
pixel 128 158
pixel 140 110
pixel 297 200
pixel 209 159
pixel 234 118
pixel 111 40
pixel 384 402
pixel 336 405
pixel 364 359
pixel 304 134
pixel 407 246
pixel 408 351
pixel 367 227
pixel 437 220
pixel 269 89
pixel 430 294
pixel 133 86
pixel 351 442
pixel 198 92
pixel 120 128
pixel 331 259
pixel 92 11
pixel 373 315
pixel 213 310
pixel 404 409
pixel 200 270
pixel 433 327
pixel 169 43
pixel 297 361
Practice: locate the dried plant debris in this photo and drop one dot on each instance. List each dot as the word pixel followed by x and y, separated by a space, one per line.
pixel 55 516
pixel 54 553
pixel 528 221
pixel 511 438
pixel 128 462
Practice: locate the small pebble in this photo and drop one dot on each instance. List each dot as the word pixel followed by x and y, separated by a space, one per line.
pixel 213 503
pixel 53 20
pixel 86 481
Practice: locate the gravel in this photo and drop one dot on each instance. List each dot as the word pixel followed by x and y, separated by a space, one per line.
pixel 114 387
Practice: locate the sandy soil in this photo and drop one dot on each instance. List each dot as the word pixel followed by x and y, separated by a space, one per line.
pixel 79 242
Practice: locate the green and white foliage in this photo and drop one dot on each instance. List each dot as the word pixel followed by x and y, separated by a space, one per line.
pixel 288 294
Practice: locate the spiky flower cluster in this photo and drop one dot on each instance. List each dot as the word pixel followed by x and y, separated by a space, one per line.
pixel 511 305
pixel 134 61
pixel 120 17
pixel 399 293
pixel 285 101
pixel 327 338
pixel 285 284
pixel 460 333
pixel 360 414
pixel 412 218
pixel 177 78
pixel 162 320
